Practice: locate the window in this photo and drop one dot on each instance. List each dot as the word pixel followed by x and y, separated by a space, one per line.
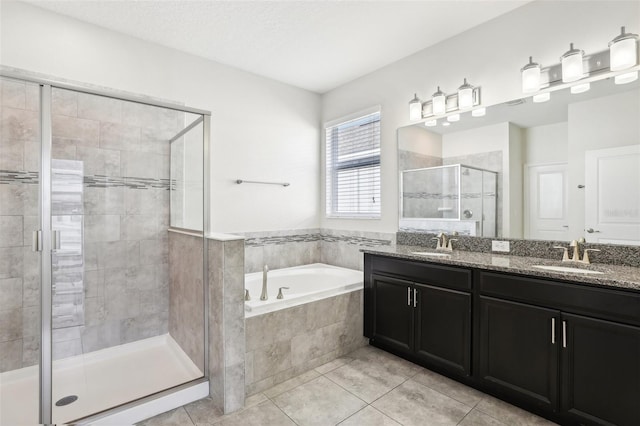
pixel 353 167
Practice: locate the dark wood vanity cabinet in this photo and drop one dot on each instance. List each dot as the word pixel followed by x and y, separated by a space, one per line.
pixel 421 312
pixel 567 351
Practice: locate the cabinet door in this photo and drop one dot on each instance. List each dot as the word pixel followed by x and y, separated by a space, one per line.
pixel 393 312
pixel 443 328
pixel 601 371
pixel 519 350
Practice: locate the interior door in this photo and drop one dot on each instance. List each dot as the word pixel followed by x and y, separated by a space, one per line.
pixel 547 207
pixel 612 197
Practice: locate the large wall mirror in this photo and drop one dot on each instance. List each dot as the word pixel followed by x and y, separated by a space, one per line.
pixel 558 170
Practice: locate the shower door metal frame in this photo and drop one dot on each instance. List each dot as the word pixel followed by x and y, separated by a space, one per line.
pixel 45 324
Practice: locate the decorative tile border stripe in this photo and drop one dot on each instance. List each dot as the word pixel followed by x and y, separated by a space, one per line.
pixel 8 177
pixel 440 196
pixel 99 181
pixel 17 177
pixel 314 237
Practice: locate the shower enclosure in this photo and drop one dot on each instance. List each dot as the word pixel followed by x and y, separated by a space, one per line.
pixel 92 184
pixel 451 198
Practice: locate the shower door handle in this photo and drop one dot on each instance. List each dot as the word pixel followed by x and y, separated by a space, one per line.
pixel 55 239
pixel 36 240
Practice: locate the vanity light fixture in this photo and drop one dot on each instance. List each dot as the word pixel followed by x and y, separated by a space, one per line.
pixel 465 96
pixel 580 88
pixel 572 67
pixel 623 51
pixel 541 97
pixel 626 78
pixel 479 112
pixel 431 123
pixel 439 100
pixel 531 77
pixel 415 108
pixel 453 117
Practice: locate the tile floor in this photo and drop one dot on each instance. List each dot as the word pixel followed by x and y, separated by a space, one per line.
pixel 369 387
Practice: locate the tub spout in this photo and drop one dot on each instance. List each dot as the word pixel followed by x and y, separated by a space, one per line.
pixel 264 295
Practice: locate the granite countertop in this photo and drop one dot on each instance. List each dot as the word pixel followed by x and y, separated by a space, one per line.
pixel 624 277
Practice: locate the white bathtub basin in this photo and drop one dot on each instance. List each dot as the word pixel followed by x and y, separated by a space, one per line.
pixel 567 269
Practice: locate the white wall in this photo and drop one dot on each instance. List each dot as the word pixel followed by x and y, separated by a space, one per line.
pixel 420 140
pixel 490 56
pixel 261 129
pixel 546 144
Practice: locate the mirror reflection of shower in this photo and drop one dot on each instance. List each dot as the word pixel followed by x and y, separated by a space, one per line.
pixel 451 198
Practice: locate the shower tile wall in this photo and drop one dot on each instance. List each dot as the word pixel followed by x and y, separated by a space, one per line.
pixel 124 151
pixel 282 249
pixel 19 266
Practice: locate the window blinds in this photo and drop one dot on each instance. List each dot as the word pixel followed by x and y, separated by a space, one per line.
pixel 353 167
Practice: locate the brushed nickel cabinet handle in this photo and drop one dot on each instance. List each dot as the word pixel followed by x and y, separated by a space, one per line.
pixel 415 298
pixel 553 331
pixel 564 334
pixel 408 296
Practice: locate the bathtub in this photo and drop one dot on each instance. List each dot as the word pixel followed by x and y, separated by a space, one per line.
pixel 306 284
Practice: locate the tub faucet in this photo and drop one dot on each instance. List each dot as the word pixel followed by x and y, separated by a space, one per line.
pixel 264 295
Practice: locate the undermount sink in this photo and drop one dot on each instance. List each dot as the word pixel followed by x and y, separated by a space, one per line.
pixel 430 253
pixel 567 269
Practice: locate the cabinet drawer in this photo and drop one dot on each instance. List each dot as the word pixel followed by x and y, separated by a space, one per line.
pixel 444 276
pixel 603 303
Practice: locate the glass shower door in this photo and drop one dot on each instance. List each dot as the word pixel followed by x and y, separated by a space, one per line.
pixel 20 262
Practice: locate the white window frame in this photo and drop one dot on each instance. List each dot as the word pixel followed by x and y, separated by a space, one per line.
pixel 331 171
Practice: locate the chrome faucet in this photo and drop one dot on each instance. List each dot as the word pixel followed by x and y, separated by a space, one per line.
pixel 575 244
pixel 444 243
pixel 264 295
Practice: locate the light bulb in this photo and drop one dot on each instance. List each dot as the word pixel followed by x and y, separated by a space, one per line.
pixel 623 51
pixel 415 108
pixel 541 97
pixel 572 68
pixel 446 123
pixel 580 88
pixel 431 123
pixel 453 117
pixel 439 102
pixel 479 112
pixel 530 77
pixel 465 96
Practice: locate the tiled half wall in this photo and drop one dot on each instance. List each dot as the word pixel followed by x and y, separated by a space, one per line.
pixel 282 249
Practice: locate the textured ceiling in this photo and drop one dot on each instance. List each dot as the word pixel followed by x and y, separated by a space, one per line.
pixel 315 45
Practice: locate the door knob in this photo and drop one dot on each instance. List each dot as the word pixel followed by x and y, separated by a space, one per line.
pixel 591 230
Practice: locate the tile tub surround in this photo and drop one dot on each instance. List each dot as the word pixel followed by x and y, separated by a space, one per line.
pixel 341 392
pixel 609 254
pixel 226 322
pixel 285 343
pixel 186 294
pixel 616 276
pixel 286 248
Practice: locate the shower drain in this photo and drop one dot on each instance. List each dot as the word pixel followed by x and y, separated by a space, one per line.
pixel 66 400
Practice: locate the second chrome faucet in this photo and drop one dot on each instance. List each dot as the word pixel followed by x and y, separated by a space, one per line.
pixel 265 271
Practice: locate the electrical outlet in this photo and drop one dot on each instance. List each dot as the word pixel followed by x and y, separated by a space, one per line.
pixel 502 246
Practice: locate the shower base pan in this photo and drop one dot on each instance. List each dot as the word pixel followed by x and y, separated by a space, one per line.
pixel 102 380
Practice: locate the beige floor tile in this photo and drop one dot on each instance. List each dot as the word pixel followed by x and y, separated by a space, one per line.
pixel 508 413
pixel 177 417
pixel 478 418
pixel 318 402
pixel 291 383
pixel 263 414
pixel 451 388
pixel 367 381
pixel 332 365
pixel 413 404
pixel 255 399
pixel 369 416
pixel 204 411
pixel 392 363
